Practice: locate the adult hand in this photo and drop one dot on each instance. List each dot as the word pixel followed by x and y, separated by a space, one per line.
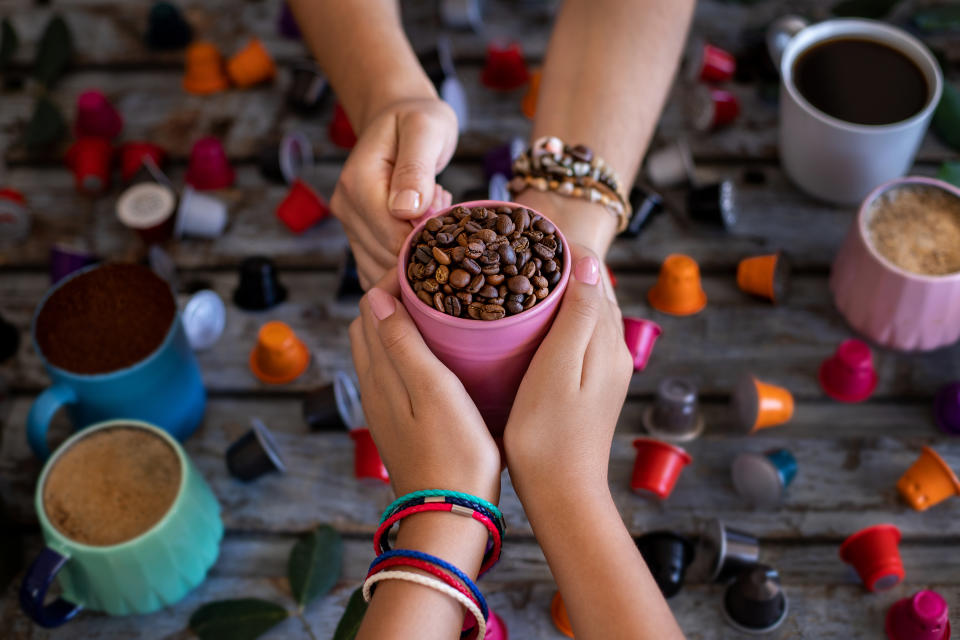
pixel 389 180
pixel 427 429
pixel 567 406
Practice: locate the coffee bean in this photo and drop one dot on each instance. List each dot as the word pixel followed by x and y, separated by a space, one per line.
pixel 521 244
pixel 457 254
pixel 488 291
pixel 528 269
pixel 451 304
pixel 498 300
pixel 520 284
pixel 542 293
pixel 475 310
pixel 521 219
pixel 505 225
pixel 480 213
pixel 529 302
pixel 487 235
pixel 431 286
pixel 471 227
pixel 438 301
pixel 447 289
pixel 516 297
pixel 492 312
pixel 444 239
pixel 539 282
pixel 514 307
pixel 442 274
pixel 507 254
pixel 549 266
pixel 453 229
pixel 429 269
pixel 490 269
pixel 426 236
pixel 441 255
pixel 476 284
pixel 426 297
pixel 546 226
pixel 415 271
pixel 462 239
pixel 470 265
pixel 475 249
pixel 459 278
pixel 553 278
pixel 510 270
pixel 422 254
pixel 464 297
pixel 535 236
pixel 461 212
pixel 417 286
pixel 495 278
pixel 502 291
pixel 433 224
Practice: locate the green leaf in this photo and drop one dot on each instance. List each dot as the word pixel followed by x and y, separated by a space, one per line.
pixel 350 621
pixel 243 619
pixel 938 18
pixel 864 8
pixel 950 172
pixel 47 126
pixel 946 119
pixel 314 565
pixel 53 52
pixel 8 42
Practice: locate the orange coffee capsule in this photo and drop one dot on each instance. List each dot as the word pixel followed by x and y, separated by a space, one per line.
pixel 678 290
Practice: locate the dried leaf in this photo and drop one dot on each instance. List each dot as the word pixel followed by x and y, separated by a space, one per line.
pixel 54 52
pixel 314 565
pixel 243 619
pixel 352 617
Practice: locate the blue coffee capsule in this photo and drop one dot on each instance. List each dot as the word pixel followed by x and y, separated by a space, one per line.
pixel 254 454
pixel 761 479
pixel 166 28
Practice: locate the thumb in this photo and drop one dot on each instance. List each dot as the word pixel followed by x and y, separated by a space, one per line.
pixel 419 149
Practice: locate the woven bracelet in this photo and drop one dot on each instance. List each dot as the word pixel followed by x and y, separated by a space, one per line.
pixel 428 493
pixel 440 563
pixel 433 570
pixel 469 504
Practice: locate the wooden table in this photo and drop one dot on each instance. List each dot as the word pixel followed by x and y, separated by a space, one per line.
pixel 850 456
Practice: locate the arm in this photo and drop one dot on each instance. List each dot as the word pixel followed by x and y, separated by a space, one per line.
pixel 608 68
pixel 557 443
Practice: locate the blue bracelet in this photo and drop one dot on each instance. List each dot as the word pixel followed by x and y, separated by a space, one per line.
pixel 469 504
pixel 443 564
pixel 429 493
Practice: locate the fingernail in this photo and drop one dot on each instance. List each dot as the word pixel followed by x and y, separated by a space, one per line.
pixel 405 201
pixel 587 270
pixel 381 303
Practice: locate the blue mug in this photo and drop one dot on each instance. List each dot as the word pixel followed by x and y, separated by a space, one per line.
pixel 164 388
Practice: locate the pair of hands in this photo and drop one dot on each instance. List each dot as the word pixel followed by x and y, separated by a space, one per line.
pixel 431 435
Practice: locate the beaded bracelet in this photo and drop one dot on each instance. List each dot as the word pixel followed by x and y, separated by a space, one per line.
pixel 433 570
pixel 432 583
pixel 438 562
pixel 469 504
pixel 551 165
pixel 381 542
pixel 429 493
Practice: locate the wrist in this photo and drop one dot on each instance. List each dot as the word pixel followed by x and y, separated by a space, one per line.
pixel 459 540
pixel 585 223
pixel 399 85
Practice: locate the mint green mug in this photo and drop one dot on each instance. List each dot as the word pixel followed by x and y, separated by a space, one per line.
pixel 148 572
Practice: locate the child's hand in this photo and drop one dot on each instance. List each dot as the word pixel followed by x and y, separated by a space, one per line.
pixel 562 422
pixel 426 427
pixel 389 180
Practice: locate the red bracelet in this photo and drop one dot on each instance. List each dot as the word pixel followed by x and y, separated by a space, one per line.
pixel 429 568
pixel 490 558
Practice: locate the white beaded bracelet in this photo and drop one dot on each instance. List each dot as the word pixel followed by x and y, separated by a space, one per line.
pixel 432 583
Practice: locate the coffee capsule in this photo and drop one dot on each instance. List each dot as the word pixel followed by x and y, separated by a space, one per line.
pixel 462 14
pixel 708 108
pixel 766 276
pixel 367 464
pixel 287 24
pixel 505 68
pixel 640 335
pixel 499 159
pixel 96 117
pixel 67 257
pixel 9 341
pixel 148 209
pixel 251 65
pixel 722 553
pixel 848 375
pixel 675 414
pixel 307 88
pixel 204 318
pixel 705 62
pixel 758 405
pixel 922 616
pixel 671 165
pixel 529 103
pixel 209 167
pixel 254 454
pixel 340 131
pixel 558 613
pixel 755 601
pixel 762 479
pixel 657 467
pixel 200 215
pixel 946 408
pixel 279 356
pixel 875 554
pixel 302 207
pixel 204 73
pixel 496 628
pixel 349 288
pixel 89 159
pixel 678 290
pixel 134 154
pixel 14 217
pixel 928 481
pixel 259 287
pixel 334 406
pixel 166 28
pixel 498 190
pixel 713 205
pixel 667 555
pixel 646 205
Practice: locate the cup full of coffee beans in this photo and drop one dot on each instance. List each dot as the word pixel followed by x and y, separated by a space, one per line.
pixel 482 281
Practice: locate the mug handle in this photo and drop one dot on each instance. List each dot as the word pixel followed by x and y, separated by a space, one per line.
pixel 44 408
pixel 780 33
pixel 34 588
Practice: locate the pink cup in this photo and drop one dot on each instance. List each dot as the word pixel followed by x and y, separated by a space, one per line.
pixel 922 616
pixel 489 357
pixel 893 307
pixel 640 335
pixel 848 375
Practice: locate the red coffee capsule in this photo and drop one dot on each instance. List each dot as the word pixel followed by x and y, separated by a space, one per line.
pixel 641 335
pixel 96 116
pixel 302 208
pixel 711 108
pixel 875 554
pixel 134 154
pixel 708 63
pixel 209 167
pixel 848 375
pixel 505 69
pixel 340 131
pixel 657 467
pixel 367 464
pixel 89 159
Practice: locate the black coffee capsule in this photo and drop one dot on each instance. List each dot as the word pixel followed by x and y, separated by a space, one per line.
pixel 9 340
pixel 166 28
pixel 287 159
pixel 646 205
pixel 667 555
pixel 259 287
pixel 308 86
pixel 268 161
pixel 755 601
pixel 334 406
pixel 254 454
pixel 713 204
pixel 675 414
pixel 349 280
pixel 722 553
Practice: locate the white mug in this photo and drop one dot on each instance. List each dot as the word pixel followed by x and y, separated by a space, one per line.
pixel 831 159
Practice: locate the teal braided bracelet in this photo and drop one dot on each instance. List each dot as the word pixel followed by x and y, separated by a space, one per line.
pixel 427 493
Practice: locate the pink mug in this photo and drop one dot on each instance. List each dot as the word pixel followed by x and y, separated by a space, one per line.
pixel 489 357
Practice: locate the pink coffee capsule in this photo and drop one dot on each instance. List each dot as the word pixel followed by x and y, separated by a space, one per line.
pixel 209 167
pixel 922 616
pixel 96 116
pixel 849 375
pixel 709 108
pixel 367 464
pixel 641 335
pixel 708 63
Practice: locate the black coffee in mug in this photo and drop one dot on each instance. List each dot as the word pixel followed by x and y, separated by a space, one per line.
pixel 861 81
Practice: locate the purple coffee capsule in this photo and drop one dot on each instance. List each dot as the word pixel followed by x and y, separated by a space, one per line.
pixel 755 602
pixel 946 408
pixel 254 453
pixel 334 406
pixel 722 553
pixel 713 204
pixel 500 159
pixel 287 24
pixel 675 415
pixel 67 257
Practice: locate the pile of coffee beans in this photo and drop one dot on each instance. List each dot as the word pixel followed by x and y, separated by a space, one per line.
pixel 485 263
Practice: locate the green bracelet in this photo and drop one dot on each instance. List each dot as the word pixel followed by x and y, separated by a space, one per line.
pixel 427 493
